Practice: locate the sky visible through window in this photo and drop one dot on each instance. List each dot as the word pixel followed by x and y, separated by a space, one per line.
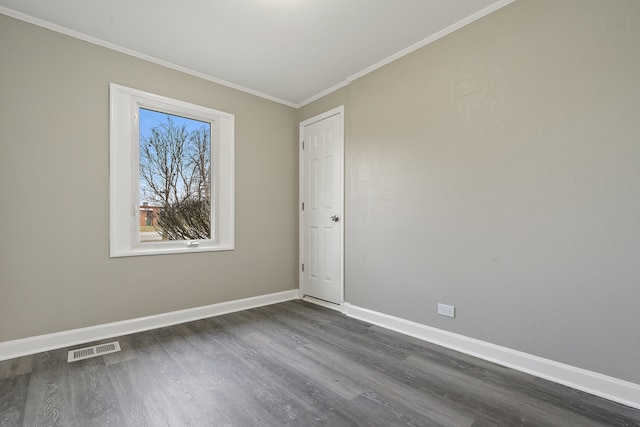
pixel 150 119
pixel 184 193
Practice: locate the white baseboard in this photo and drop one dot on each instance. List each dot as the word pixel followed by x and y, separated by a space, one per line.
pixel 40 343
pixel 610 388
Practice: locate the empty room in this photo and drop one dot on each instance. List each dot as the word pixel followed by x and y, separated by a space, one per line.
pixel 306 212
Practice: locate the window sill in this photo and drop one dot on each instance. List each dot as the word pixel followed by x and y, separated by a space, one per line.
pixel 175 248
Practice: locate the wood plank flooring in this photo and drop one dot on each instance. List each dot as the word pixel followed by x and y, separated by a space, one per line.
pixel 289 364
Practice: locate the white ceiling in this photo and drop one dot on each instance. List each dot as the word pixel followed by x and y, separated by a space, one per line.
pixel 290 51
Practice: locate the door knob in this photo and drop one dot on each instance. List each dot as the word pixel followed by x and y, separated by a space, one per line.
pixel 335 218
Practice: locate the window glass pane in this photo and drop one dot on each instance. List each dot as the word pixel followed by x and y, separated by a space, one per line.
pixel 175 177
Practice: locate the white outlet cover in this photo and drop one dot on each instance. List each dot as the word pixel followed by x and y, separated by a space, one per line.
pixel 446 310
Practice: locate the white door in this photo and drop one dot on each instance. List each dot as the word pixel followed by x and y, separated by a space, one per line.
pixel 321 194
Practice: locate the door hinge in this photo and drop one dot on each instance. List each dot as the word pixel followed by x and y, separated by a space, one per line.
pixel 303 268
pixel 303 145
pixel 302 205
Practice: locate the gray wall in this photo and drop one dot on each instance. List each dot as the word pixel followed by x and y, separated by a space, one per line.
pixel 498 170
pixel 55 270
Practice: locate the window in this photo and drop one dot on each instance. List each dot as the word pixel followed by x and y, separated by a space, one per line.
pixel 171 182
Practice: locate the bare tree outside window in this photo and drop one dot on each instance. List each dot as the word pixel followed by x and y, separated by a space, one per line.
pixel 175 175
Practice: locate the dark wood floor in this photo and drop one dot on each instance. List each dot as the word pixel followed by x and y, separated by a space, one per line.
pixel 293 364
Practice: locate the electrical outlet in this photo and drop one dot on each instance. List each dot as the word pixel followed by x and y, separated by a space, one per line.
pixel 446 310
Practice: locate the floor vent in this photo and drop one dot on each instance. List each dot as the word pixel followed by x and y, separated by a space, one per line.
pixel 93 351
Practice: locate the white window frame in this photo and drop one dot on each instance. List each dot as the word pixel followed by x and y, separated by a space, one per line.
pixel 124 222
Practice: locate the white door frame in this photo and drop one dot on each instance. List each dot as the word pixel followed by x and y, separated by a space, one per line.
pixel 335 111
